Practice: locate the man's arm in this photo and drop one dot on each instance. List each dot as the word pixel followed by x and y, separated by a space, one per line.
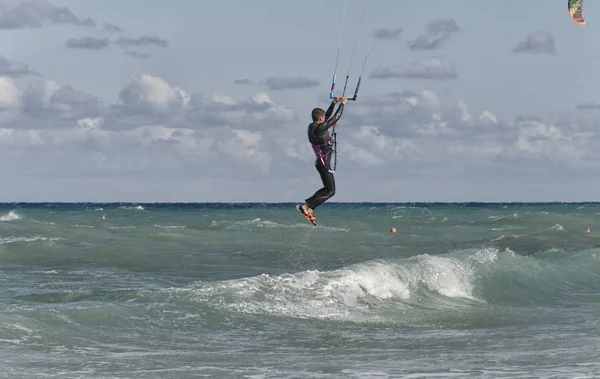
pixel 329 123
pixel 329 110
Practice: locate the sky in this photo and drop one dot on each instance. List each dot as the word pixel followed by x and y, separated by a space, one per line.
pixel 209 101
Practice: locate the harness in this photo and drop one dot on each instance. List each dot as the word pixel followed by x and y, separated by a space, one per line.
pixel 317 145
pixel 321 155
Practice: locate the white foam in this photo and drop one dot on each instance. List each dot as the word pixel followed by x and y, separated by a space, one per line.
pixel 170 226
pixel 260 223
pixel 446 276
pixel 359 292
pixel 8 240
pixel 137 207
pixel 10 216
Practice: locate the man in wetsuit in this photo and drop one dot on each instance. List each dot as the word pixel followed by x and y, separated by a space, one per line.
pixel 321 141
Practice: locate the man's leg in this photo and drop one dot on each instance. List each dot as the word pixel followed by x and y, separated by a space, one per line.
pixel 323 194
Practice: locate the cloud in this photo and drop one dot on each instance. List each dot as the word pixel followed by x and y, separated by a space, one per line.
pixel 257 113
pixel 246 146
pixel 417 130
pixel 243 81
pixel 43 103
pixel 17 14
pixel 56 123
pixel 373 148
pixel 436 68
pixel 142 41
pixel 401 114
pixel 280 83
pixel 137 54
pixel 588 106
pixel 148 97
pixel 156 133
pixel 23 14
pixel 536 43
pixel 111 28
pixel 10 94
pixel 387 34
pixel 145 100
pixel 438 32
pixel 52 105
pixel 91 43
pixel 14 68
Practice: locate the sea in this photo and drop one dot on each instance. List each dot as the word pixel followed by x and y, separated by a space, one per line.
pixel 121 290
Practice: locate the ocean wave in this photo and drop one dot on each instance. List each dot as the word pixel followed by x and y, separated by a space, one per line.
pixel 133 207
pixel 170 226
pixel 9 240
pixel 10 216
pixel 266 224
pixel 372 291
pixel 410 291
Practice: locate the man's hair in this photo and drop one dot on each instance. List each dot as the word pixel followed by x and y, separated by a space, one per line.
pixel 316 113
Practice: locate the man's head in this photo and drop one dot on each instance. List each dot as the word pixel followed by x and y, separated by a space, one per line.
pixel 318 115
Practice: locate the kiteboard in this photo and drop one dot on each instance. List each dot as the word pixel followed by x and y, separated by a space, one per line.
pixel 310 219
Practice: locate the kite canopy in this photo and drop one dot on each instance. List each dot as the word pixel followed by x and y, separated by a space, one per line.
pixel 576 11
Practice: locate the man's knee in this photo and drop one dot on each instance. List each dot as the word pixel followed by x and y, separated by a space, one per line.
pixel 330 186
pixel 330 192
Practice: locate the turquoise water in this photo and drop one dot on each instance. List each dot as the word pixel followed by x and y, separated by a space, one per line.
pixel 253 291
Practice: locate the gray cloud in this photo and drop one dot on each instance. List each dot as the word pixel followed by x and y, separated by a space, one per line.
pixel 151 100
pixel 536 43
pixel 137 54
pixel 37 13
pixel 148 99
pixel 142 41
pixel 48 101
pixel 387 34
pixel 14 68
pixel 431 137
pixel 438 32
pixel 298 82
pixel 436 68
pixel 243 81
pixel 257 113
pixel 160 129
pixel 111 28
pixel 588 106
pixel 98 137
pixel 21 14
pixel 145 100
pixel 400 114
pixel 90 43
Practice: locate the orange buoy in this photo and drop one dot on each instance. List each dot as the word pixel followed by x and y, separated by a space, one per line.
pixel 393 230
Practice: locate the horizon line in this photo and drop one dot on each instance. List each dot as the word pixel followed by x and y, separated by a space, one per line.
pixel 295 202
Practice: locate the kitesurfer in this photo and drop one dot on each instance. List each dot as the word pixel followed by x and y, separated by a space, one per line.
pixel 322 142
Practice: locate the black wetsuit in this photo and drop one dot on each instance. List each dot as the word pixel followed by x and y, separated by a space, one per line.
pixel 321 141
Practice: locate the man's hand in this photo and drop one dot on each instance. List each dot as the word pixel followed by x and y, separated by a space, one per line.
pixel 336 99
pixel 344 99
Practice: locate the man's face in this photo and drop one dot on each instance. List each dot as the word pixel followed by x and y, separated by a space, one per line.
pixel 321 119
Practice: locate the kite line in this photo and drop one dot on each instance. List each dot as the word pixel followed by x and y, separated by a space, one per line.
pixel 332 92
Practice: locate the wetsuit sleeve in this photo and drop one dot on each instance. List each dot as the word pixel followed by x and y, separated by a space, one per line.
pixel 329 123
pixel 329 110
